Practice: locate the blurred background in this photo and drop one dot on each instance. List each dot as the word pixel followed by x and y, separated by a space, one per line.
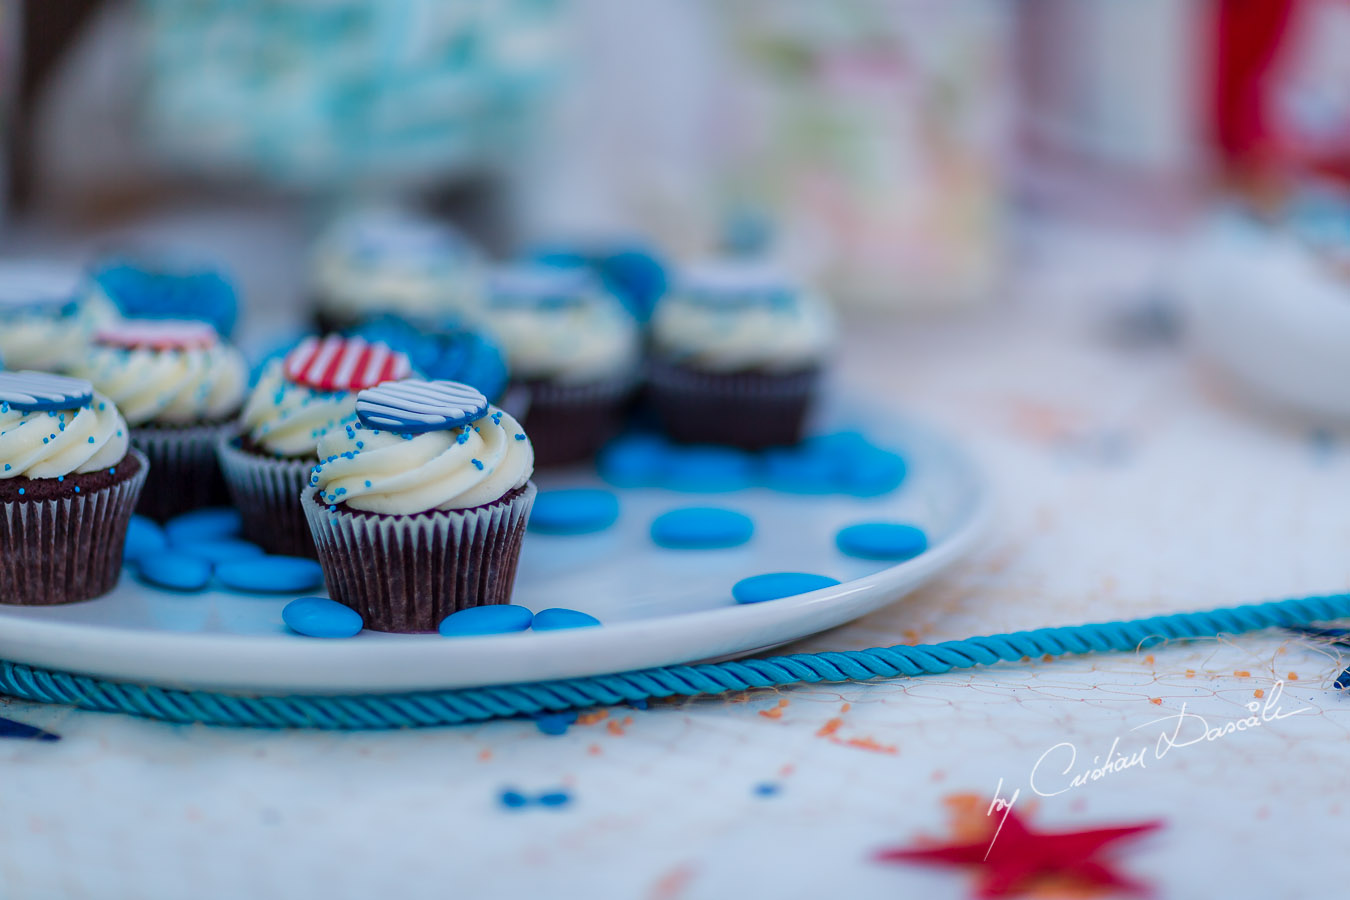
pixel 911 157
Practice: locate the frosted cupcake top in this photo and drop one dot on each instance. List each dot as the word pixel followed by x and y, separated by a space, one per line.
pixel 44 323
pixel 312 390
pixel 52 426
pixel 419 446
pixel 394 261
pixel 166 372
pixel 738 317
pixel 559 325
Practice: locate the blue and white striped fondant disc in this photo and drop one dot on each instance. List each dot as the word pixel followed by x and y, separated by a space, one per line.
pixel 414 407
pixel 39 391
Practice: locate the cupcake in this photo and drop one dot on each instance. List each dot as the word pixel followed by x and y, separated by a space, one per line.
pixel 573 352
pixel 297 400
pixel 179 387
pixel 419 508
pixel 443 349
pixel 378 261
pixel 167 290
pixel 45 322
pixel 737 352
pixel 68 484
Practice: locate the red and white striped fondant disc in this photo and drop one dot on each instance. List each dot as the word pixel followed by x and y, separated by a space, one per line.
pixel 337 363
pixel 157 334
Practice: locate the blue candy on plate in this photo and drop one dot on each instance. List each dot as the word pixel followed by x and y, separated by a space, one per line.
pixel 203 525
pixel 701 528
pixel 476 620
pixel 882 540
pixel 708 469
pixel 29 392
pixel 777 585
pixel 220 550
pixel 416 407
pixel 635 460
pixel 144 536
pixel 175 571
pixel 574 511
pixel 270 575
pixel 558 619
pixel 321 618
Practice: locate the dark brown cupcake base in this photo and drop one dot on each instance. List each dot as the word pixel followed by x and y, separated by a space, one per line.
pixel 185 474
pixel 407 573
pixel 266 489
pixel 569 424
pixel 750 410
pixel 62 545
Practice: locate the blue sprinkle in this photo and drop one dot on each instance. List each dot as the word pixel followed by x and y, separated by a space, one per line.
pixel 91 440
pixel 21 492
pixel 271 575
pixel 60 478
pixel 767 789
pixel 77 488
pixel 174 571
pixel 558 619
pixel 575 511
pixel 495 619
pixel 555 723
pixel 478 464
pixel 554 798
pixel 321 618
pixel 512 799
pixel 701 528
pixel 519 436
pixel 776 585
pixel 6 467
pixel 367 482
pixel 882 540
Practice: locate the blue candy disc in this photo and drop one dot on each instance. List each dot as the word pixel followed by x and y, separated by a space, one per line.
pixel 416 407
pixel 175 571
pixel 322 618
pixel 776 585
pixel 220 550
pixel 203 525
pixel 144 536
pixel 708 469
pixel 637 460
pixel 497 619
pixel 701 528
pixel 28 392
pixel 271 574
pixel 576 511
pixel 882 540
pixel 557 619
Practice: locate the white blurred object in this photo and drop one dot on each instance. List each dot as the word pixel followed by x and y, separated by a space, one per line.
pixel 1266 311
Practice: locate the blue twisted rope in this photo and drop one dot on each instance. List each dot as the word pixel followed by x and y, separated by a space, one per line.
pixel 480 704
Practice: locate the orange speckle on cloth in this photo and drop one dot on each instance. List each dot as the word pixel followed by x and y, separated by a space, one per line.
pixel 786 770
pixel 484 755
pixel 594 750
pixel 1156 701
pixel 1243 673
pixel 1190 673
pixel 1258 693
pixel 1049 657
pixel 1148 660
pixel 776 712
pixel 867 743
pixel 615 727
pixel 846 707
pixel 590 718
pixel 830 727
pixel 1292 676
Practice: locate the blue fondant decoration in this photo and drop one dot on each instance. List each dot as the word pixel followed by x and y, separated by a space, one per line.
pixel 882 540
pixel 709 469
pixel 175 571
pixel 637 460
pixel 442 349
pixel 574 511
pixel 557 619
pixel 776 585
pixel 416 407
pixel 146 293
pixel 28 392
pixel 270 575
pixel 144 536
pixel 321 618
pixel 478 620
pixel 701 528
pixel 24 732
pixel 220 550
pixel 203 525
pixel 637 277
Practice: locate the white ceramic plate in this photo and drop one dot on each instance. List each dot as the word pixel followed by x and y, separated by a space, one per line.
pixel 660 607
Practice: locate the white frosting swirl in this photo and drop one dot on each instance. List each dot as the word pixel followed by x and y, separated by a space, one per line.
pixel 169 387
pixel 62 442
pixel 783 330
pixel 388 261
pixel 384 472
pixel 44 324
pixel 572 343
pixel 287 419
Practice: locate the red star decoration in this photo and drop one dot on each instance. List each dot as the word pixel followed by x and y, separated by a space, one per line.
pixel 1018 859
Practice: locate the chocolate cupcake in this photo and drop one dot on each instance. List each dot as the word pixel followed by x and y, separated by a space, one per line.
pixel 572 351
pixel 377 261
pixel 298 399
pixel 737 353
pixel 46 319
pixel 68 483
pixel 419 509
pixel 179 387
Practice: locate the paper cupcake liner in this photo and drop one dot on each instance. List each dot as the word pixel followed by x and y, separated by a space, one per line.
pixel 407 573
pixel 267 492
pixel 66 549
pixel 570 423
pixel 184 472
pixel 751 410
